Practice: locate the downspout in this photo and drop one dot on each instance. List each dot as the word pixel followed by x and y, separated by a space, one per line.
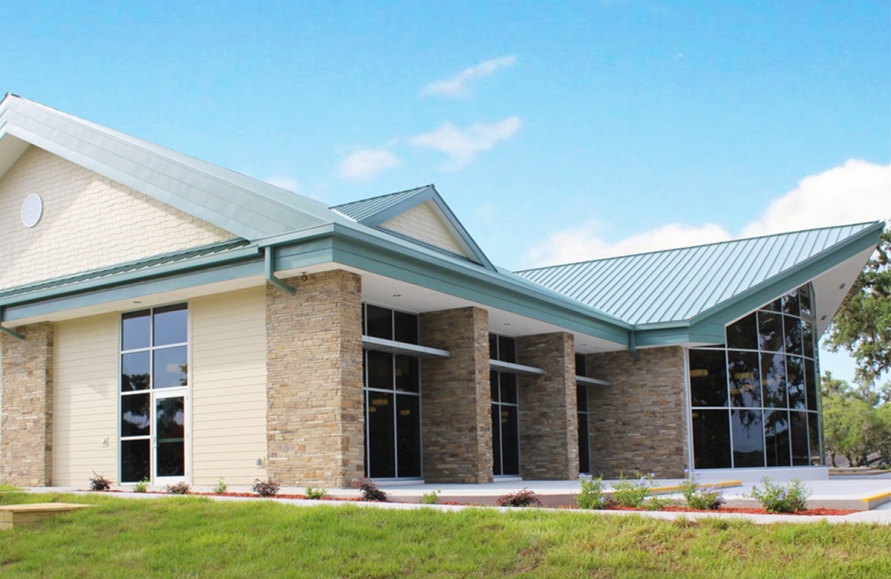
pixel 270 272
pixel 7 331
pixel 632 346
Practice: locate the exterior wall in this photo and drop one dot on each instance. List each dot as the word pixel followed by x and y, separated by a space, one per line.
pixel 228 375
pixel 315 423
pixel 27 417
pixel 549 444
pixel 85 401
pixel 457 402
pixel 422 223
pixel 640 422
pixel 88 222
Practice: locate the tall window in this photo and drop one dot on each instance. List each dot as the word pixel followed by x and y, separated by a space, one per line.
pixel 505 409
pixel 581 369
pixel 154 380
pixel 392 398
pixel 755 401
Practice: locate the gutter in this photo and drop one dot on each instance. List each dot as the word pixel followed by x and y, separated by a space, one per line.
pixel 632 345
pixel 7 331
pixel 269 253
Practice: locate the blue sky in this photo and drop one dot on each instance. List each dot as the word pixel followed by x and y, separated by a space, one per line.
pixel 556 131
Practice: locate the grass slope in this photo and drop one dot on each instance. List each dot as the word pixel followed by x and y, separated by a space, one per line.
pixel 197 537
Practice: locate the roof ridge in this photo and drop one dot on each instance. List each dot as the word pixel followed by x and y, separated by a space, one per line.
pixel 716 243
pixel 420 188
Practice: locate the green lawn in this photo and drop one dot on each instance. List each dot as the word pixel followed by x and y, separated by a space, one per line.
pixel 197 537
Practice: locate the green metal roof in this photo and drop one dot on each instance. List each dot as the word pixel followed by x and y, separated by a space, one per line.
pixel 367 208
pixel 247 207
pixel 679 284
pixel 180 258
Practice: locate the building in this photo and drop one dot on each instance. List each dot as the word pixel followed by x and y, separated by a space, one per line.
pixel 167 319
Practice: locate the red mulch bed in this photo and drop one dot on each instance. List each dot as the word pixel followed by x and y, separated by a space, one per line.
pixel 254 496
pixel 817 512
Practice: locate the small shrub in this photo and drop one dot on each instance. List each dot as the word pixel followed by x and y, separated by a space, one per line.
pixel 180 488
pixel 592 495
pixel 315 493
pixel 658 503
pixel 523 498
pixel 141 486
pixel 632 492
pixel 266 489
pixel 220 487
pixel 370 492
pixel 701 498
pixel 430 498
pixel 99 482
pixel 780 499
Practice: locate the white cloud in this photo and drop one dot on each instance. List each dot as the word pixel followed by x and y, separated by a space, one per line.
pixel 464 144
pixel 855 192
pixel 586 242
pixel 283 182
pixel 366 163
pixel 457 85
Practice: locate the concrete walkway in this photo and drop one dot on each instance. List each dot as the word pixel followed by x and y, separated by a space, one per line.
pixel 836 494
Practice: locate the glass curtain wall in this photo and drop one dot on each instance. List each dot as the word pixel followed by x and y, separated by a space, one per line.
pixel 581 369
pixel 505 409
pixel 755 400
pixel 392 397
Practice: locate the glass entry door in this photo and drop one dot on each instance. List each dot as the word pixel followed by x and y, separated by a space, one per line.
pixel 169 438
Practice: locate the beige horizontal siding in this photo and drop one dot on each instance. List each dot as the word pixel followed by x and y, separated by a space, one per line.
pixel 229 387
pixel 82 212
pixel 85 400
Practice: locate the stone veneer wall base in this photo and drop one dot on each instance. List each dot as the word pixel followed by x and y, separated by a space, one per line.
pixel 26 420
pixel 549 443
pixel 640 422
pixel 457 403
pixel 315 409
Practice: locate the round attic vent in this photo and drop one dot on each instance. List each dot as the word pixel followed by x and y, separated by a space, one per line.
pixel 32 210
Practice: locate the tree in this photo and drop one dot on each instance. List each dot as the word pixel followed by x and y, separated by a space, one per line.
pixel 862 325
pixel 856 424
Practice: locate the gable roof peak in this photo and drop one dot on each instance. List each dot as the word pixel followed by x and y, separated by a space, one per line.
pixel 374 211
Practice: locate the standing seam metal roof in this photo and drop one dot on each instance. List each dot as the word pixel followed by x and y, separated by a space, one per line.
pixel 359 210
pixel 678 284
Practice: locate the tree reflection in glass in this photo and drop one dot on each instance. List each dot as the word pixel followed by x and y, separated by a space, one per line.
pixel 773 380
pixel 776 437
pixel 770 331
pixel 745 384
pixel 748 438
pixel 795 381
pixel 793 335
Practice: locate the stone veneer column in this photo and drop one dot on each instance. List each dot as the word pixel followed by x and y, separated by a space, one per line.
pixel 26 441
pixel 314 414
pixel 549 430
pixel 455 397
pixel 640 422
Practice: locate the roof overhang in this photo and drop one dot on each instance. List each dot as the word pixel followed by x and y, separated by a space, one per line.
pixel 832 272
pixel 510 299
